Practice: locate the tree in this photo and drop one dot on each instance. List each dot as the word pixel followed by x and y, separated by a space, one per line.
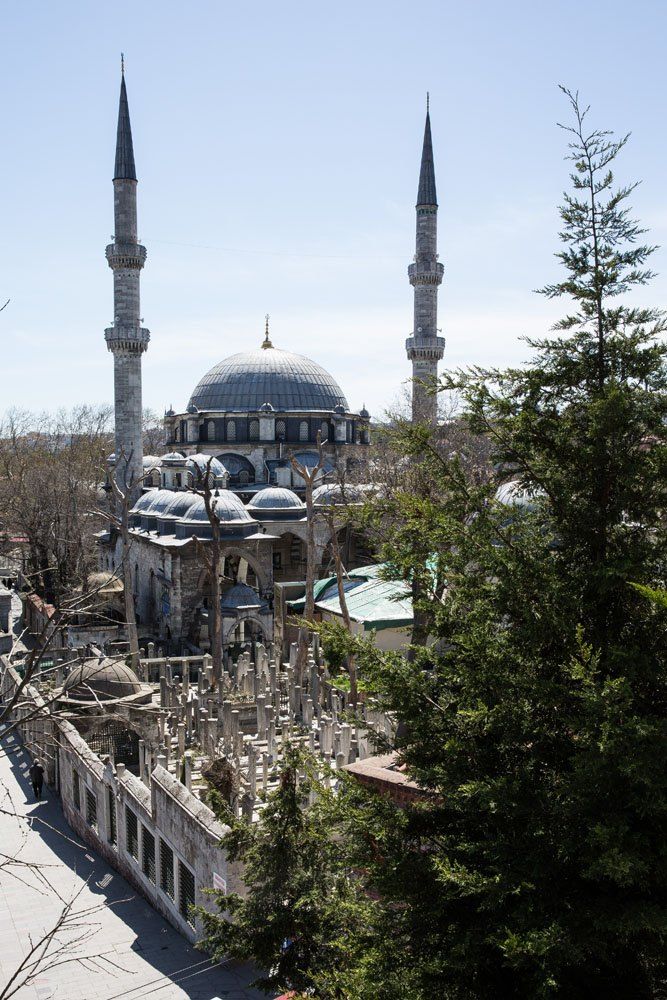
pixel 305 919
pixel 309 476
pixel 211 556
pixel 538 722
pixel 50 471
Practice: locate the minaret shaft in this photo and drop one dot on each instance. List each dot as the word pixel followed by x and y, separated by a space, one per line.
pixel 126 339
pixel 425 348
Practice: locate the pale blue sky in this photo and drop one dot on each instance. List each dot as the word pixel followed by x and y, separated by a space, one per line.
pixel 277 148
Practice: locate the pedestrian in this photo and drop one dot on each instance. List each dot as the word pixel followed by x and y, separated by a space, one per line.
pixel 37 777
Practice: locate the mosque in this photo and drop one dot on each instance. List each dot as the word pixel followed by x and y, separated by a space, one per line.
pixel 243 423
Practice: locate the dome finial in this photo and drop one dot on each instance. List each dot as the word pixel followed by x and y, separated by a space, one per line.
pixel 266 342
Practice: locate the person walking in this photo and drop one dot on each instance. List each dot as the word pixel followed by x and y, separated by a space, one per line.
pixel 37 777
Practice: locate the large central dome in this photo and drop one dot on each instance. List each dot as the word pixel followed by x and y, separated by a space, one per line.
pixel 287 381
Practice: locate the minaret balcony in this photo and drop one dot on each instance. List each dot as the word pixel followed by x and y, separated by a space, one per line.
pixel 130 339
pixel 423 273
pixel 132 255
pixel 420 348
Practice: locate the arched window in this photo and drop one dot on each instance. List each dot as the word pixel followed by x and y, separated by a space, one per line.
pixel 281 430
pixel 303 430
pixel 176 433
pixel 253 430
pixel 324 430
pixel 244 477
pixel 210 430
pixel 231 430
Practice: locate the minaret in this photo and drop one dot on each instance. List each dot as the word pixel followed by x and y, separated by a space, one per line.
pixel 425 348
pixel 126 339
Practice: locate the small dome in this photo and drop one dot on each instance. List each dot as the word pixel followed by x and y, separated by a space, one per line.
pixel 151 462
pixel 228 508
pixel 191 408
pixel 266 408
pixel 275 498
pixel 339 409
pixel 144 501
pixel 103 679
pixel 170 412
pixel 330 494
pixel 172 458
pixel 245 381
pixel 240 595
pixel 514 494
pixel 201 462
pixel 161 500
pixel 180 504
pixel 364 414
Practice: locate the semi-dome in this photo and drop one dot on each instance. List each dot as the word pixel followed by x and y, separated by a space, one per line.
pixel 246 381
pixel 275 498
pixel 102 680
pixel 174 457
pixel 228 507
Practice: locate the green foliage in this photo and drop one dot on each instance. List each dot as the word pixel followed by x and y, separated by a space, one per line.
pixel 305 916
pixel 539 721
pixel 535 720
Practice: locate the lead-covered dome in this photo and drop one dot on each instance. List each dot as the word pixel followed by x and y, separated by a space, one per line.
pixel 246 381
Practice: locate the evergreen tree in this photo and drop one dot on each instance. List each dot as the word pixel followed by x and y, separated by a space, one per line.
pixel 539 866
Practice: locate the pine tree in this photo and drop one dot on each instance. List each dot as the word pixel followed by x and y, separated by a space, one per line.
pixel 539 720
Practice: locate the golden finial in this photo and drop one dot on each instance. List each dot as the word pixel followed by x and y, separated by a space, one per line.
pixel 266 342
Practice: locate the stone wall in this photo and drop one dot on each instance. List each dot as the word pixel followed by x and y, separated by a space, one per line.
pixel 101 803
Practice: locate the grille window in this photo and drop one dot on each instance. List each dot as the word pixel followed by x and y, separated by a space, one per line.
pixel 76 788
pixel 166 869
pixel 231 430
pixel 186 892
pixel 210 431
pixel 91 808
pixel 111 804
pixel 303 430
pixel 281 429
pixel 148 855
pixel 253 430
pixel 131 833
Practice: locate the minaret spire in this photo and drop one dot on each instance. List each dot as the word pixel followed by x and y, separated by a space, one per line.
pixel 124 168
pixel 425 348
pixel 126 339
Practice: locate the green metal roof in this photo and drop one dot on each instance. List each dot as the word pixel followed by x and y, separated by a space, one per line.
pixel 377 604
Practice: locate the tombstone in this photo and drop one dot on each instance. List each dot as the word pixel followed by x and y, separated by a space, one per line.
pixel 260 704
pixel 265 772
pixel 187 768
pixel 181 738
pixel 151 650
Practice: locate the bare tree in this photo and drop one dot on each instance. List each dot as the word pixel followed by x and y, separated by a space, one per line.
pixel 309 476
pixel 211 557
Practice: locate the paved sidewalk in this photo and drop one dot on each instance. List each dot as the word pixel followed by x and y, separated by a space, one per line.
pixel 144 955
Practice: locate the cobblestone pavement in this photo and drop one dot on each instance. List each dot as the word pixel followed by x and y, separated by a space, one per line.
pixel 143 956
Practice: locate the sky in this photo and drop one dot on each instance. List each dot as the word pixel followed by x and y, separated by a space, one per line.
pixel 277 149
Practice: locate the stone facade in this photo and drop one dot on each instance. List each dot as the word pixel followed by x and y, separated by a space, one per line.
pixel 159 835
